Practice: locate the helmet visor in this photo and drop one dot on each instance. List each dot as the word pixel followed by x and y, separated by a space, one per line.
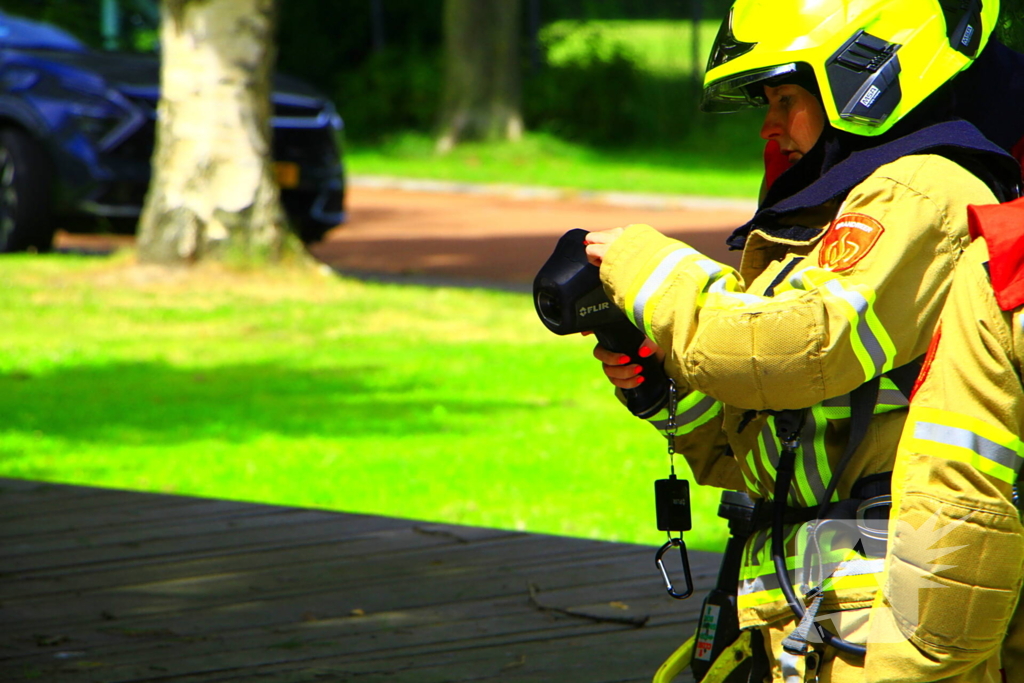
pixel 741 91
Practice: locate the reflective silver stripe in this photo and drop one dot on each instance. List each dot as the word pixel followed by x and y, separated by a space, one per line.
pixel 656 279
pixel 892 397
pixel 886 397
pixel 694 413
pixel 863 331
pixel 690 415
pixel 837 402
pixel 765 582
pixel 964 438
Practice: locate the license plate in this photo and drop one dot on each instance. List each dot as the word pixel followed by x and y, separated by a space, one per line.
pixel 287 174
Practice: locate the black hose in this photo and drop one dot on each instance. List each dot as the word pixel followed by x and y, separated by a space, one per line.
pixel 783 478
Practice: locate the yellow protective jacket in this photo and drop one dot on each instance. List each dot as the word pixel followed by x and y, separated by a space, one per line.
pixel 801 325
pixel 956 547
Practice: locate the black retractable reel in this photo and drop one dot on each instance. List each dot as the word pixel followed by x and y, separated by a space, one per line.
pixel 672 502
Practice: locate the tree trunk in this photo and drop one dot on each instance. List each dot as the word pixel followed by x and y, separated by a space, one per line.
pixel 213 194
pixel 481 95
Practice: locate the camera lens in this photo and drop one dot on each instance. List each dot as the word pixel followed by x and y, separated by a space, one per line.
pixel 549 307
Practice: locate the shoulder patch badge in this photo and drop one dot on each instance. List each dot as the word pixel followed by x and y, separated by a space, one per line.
pixel 848 240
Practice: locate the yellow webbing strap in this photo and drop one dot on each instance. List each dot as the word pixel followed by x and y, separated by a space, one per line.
pixel 722 667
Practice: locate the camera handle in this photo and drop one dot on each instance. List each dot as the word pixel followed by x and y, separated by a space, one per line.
pixel 646 400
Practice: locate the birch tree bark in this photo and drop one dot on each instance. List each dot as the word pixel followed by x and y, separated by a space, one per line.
pixel 482 80
pixel 213 194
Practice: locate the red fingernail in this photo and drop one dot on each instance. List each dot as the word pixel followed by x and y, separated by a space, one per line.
pixel 645 352
pixel 639 379
pixel 623 360
pixel 638 370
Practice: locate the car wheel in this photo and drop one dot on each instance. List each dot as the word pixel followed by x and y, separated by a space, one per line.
pixel 25 221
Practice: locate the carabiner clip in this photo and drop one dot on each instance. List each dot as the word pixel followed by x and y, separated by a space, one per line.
pixel 686 568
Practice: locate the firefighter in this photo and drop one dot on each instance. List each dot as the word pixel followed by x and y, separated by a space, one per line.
pixel 955 565
pixel 845 267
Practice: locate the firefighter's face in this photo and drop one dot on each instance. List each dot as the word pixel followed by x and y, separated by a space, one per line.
pixel 795 119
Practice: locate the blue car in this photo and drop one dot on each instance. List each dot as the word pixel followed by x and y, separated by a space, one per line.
pixel 77 133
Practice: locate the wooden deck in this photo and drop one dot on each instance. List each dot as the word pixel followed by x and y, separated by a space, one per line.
pixel 111 586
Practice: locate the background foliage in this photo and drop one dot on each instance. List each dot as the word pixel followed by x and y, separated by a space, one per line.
pixel 588 75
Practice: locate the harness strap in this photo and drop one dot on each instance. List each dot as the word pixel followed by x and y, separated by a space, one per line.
pixel 862 407
pixel 905 376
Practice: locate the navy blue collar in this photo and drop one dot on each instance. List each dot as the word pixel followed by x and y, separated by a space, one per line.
pixel 956 140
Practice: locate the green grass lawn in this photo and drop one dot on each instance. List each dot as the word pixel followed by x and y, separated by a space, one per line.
pixel 309 390
pixel 708 168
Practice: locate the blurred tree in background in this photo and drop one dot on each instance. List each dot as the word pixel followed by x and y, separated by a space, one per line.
pixel 481 72
pixel 213 194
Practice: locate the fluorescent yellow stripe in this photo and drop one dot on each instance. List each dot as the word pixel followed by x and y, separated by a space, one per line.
pixel 818 279
pixel 859 350
pixel 703 419
pixel 763 458
pixel 695 265
pixel 995 452
pixel 964 455
pixel 751 467
pixel 758 599
pixel 686 418
pixel 850 582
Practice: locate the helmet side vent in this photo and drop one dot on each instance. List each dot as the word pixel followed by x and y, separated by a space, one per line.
pixel 863 75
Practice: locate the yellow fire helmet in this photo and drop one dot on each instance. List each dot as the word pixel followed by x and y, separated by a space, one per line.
pixel 873 60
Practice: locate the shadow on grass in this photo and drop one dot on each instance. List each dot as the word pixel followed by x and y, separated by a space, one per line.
pixel 154 403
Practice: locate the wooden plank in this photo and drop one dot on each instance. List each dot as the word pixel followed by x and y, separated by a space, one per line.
pixel 134 593
pixel 606 657
pixel 15 491
pixel 257 593
pixel 39 503
pixel 331 554
pixel 442 618
pixel 332 548
pixel 177 538
pixel 71 522
pixel 446 642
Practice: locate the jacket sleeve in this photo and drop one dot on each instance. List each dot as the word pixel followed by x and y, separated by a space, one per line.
pixel 850 311
pixel 956 544
pixel 700 437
